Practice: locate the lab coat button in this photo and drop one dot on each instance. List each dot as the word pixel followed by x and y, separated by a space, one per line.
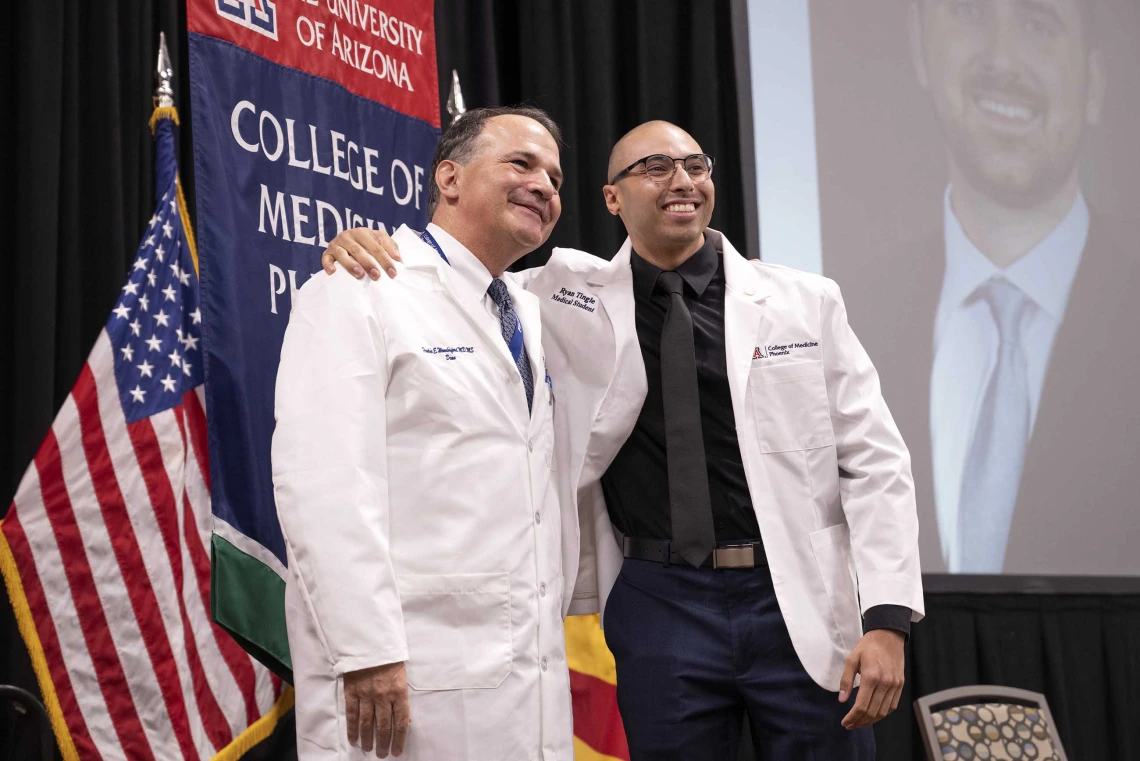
pixel 542 590
pixel 749 291
pixel 538 517
pixel 542 664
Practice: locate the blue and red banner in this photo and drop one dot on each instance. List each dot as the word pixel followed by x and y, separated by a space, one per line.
pixel 309 117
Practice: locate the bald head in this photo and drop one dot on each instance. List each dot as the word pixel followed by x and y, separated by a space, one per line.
pixel 665 214
pixel 645 140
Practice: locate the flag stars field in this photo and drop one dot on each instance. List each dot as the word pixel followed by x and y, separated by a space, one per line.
pixel 160 274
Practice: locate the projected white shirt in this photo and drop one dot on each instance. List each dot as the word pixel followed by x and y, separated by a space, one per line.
pixel 966 344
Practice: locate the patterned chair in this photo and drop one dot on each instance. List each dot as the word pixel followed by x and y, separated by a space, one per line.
pixel 988 724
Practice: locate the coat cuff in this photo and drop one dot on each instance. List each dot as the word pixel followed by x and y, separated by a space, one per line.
pixel 894 617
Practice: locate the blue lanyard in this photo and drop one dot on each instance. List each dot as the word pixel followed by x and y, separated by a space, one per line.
pixel 515 344
pixel 429 239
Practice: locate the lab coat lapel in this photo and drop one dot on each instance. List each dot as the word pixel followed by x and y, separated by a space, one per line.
pixel 743 319
pixel 616 292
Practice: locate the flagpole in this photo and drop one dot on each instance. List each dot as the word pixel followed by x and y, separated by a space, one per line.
pixel 164 109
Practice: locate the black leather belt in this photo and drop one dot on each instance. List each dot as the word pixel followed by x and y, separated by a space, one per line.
pixel 738 555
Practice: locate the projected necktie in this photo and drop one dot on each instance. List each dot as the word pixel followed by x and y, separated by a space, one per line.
pixel 992 471
pixel 511 327
pixel 690 505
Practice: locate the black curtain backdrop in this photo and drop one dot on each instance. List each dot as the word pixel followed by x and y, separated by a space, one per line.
pixel 77 188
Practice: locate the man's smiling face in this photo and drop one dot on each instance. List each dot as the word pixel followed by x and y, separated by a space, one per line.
pixel 668 214
pixel 1010 82
pixel 512 182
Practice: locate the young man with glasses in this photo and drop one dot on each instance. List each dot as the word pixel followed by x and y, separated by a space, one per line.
pixel 745 498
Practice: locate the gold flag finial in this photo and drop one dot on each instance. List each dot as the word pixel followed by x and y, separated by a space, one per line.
pixel 455 105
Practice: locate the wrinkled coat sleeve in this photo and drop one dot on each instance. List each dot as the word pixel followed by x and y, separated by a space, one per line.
pixel 875 486
pixel 330 471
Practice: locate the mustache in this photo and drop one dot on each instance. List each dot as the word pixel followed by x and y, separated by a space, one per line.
pixel 1011 85
pixel 531 201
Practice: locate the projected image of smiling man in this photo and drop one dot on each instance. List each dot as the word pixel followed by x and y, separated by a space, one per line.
pixel 1014 84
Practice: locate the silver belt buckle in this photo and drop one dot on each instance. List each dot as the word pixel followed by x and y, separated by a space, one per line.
pixel 742 556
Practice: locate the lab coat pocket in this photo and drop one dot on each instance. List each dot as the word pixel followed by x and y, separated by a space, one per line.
pixel 790 407
pixel 458 630
pixel 832 549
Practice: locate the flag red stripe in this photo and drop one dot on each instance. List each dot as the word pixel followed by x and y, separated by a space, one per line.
pixel 596 719
pixel 92 619
pixel 149 455
pixel 181 413
pixel 125 544
pixel 49 640
pixel 236 659
pixel 213 719
pixel 196 422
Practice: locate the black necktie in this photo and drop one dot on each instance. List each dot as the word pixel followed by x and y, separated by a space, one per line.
pixel 690 507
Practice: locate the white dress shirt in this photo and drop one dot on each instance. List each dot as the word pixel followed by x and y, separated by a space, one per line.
pixel 966 344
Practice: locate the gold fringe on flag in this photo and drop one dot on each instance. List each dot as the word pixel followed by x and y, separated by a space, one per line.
pixel 36 650
pixel 258 730
pixel 163 112
pixel 171 113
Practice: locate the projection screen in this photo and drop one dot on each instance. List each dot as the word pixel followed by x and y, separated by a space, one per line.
pixel 968 171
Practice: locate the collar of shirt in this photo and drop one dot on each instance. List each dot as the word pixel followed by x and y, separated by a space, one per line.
pixel 1045 273
pixel 471 276
pixel 697 271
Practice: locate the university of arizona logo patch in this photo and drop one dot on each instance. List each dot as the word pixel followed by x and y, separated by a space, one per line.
pixel 258 15
pixel 759 354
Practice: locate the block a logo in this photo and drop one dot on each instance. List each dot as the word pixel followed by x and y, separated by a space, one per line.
pixel 258 15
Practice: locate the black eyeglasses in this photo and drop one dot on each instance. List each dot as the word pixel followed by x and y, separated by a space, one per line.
pixel 660 168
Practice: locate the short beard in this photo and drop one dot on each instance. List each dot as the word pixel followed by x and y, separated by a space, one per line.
pixel 1047 175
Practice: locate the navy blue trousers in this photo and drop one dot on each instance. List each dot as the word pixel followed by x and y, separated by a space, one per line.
pixel 697 651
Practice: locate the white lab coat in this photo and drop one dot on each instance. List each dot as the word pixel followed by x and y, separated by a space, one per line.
pixel 827 470
pixel 419 507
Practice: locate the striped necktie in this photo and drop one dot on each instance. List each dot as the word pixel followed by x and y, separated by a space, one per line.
pixel 511 327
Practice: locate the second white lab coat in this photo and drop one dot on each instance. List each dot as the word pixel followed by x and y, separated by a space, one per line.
pixel 827 471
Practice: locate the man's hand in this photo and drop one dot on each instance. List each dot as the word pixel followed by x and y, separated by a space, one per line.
pixel 362 249
pixel 879 660
pixel 376 705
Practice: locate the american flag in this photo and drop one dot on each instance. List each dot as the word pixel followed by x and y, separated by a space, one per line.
pixel 104 548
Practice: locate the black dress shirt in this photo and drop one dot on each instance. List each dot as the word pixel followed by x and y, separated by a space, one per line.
pixel 636 484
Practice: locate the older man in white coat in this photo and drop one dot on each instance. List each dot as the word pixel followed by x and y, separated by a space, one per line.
pixel 747 507
pixel 413 469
